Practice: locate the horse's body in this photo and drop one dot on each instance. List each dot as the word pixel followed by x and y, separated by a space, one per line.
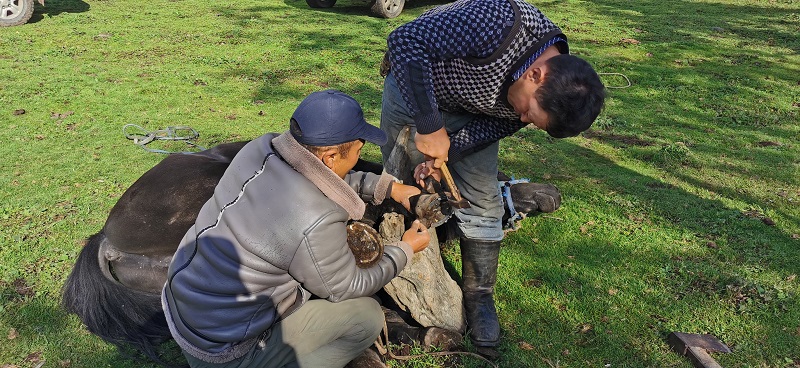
pixel 115 285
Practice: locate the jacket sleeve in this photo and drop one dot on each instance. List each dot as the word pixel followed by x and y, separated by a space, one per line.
pixel 476 31
pixel 326 267
pixel 371 187
pixel 479 133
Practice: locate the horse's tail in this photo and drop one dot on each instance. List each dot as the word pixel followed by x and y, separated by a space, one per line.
pixel 129 319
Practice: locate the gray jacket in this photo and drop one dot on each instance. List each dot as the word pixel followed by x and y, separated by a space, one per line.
pixel 273 234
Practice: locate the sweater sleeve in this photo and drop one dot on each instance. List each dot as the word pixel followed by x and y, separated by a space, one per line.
pixel 479 133
pixel 453 31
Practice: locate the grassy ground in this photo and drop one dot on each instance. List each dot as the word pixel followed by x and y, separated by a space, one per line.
pixel 680 208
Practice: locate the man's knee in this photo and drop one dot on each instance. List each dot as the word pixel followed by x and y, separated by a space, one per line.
pixel 372 318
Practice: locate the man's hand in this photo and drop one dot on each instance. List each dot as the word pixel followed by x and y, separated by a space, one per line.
pixel 401 194
pixel 434 146
pixel 417 236
pixel 422 171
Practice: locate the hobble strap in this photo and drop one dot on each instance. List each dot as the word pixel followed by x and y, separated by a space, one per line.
pixel 505 190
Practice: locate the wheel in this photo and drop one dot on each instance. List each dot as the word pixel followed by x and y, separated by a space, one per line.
pixel 388 8
pixel 320 3
pixel 15 12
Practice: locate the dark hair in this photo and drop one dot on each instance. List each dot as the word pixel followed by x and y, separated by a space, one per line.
pixel 571 94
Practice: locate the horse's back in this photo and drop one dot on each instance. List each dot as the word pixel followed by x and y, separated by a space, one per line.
pixel 152 216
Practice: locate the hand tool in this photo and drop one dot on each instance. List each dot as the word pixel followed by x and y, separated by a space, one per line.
pixel 457 201
pixel 696 347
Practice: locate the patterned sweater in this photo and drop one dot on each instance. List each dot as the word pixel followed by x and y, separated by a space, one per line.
pixel 462 58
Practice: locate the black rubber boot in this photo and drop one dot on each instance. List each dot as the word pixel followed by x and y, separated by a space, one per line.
pixel 479 274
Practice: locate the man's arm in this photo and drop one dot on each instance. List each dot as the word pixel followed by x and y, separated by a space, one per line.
pixel 475 31
pixel 326 267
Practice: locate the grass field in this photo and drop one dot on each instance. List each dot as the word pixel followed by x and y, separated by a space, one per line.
pixel 681 207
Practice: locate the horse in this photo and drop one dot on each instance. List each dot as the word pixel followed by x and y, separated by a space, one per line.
pixel 115 285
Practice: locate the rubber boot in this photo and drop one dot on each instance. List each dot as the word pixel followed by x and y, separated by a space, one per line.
pixel 479 274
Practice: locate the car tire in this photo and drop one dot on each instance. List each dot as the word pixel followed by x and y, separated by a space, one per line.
pixel 388 8
pixel 15 12
pixel 320 3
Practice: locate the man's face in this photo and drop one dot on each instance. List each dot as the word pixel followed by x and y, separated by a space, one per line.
pixel 345 163
pixel 522 97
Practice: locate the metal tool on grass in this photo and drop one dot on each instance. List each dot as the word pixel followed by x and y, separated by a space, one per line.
pixel 696 348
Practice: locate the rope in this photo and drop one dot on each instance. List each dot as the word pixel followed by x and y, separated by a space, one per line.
pixel 383 349
pixel 621 75
pixel 142 137
pixel 505 189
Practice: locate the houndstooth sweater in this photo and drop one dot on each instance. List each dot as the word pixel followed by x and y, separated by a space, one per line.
pixel 462 58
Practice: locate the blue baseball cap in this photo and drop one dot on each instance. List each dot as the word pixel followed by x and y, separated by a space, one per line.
pixel 331 117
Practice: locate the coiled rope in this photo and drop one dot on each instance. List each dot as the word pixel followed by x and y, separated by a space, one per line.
pixel 383 349
pixel 628 81
pixel 142 137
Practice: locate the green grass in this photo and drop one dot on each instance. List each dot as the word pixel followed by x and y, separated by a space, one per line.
pixel 668 200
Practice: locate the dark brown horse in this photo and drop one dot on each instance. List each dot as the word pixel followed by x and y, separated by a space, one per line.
pixel 115 285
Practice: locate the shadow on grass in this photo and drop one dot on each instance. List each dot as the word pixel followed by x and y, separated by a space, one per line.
pixel 362 7
pixel 703 60
pixel 709 268
pixel 54 8
pixel 36 321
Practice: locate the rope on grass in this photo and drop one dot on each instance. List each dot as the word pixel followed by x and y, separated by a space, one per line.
pixel 142 137
pixel 383 349
pixel 621 75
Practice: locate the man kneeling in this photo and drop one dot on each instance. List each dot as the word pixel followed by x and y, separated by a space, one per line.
pixel 265 277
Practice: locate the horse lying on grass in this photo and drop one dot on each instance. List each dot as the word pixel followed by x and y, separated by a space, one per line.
pixel 116 282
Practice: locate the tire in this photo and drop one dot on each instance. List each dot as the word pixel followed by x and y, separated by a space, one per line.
pixel 388 8
pixel 15 12
pixel 320 3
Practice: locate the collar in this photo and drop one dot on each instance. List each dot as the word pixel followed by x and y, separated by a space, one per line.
pixel 323 177
pixel 536 55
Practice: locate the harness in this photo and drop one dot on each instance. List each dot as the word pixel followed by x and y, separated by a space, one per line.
pixel 505 191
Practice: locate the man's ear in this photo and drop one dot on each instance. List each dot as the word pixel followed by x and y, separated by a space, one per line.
pixel 537 74
pixel 329 157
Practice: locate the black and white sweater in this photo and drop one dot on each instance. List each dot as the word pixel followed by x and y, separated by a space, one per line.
pixel 463 57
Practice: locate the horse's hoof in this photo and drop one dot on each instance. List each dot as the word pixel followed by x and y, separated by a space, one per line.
pixel 440 338
pixel 431 209
pixel 530 198
pixel 365 243
pixel 487 352
pixel 368 359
